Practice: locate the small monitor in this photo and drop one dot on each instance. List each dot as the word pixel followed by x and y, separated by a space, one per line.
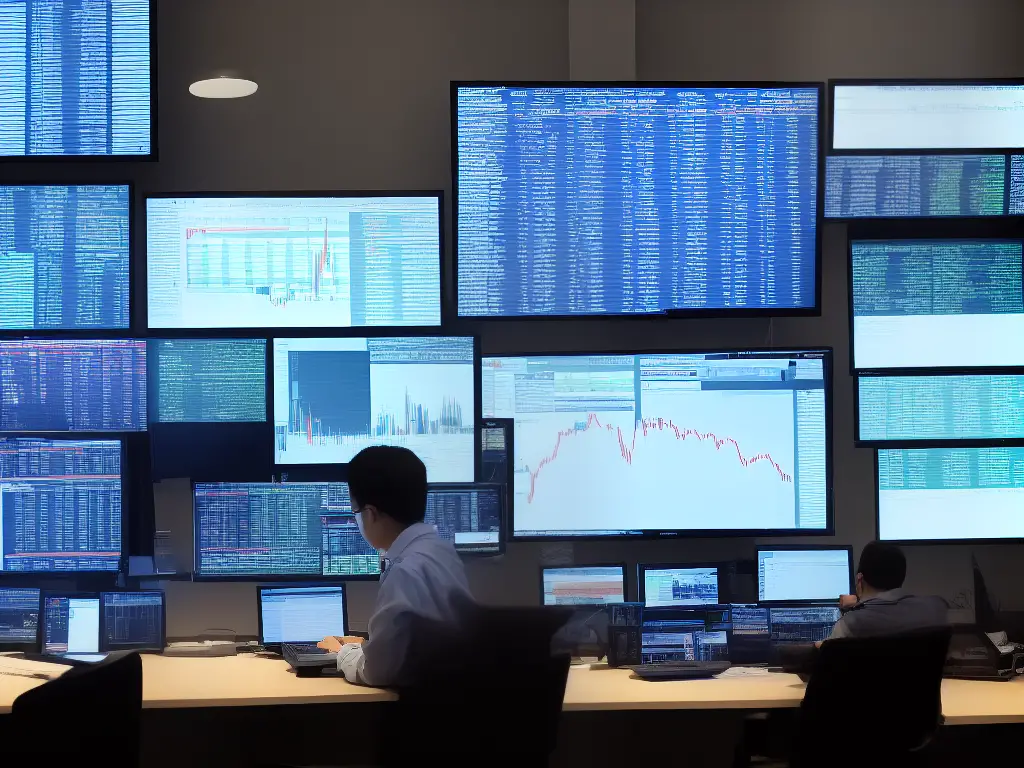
pixel 749 634
pixel 133 620
pixel 797 574
pixel 469 515
pixel 683 634
pixel 496 451
pixel 676 585
pixel 584 585
pixel 71 623
pixel 802 624
pixel 19 618
pixel 301 614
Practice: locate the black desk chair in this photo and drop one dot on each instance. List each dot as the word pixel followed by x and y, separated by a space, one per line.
pixel 873 702
pixel 91 715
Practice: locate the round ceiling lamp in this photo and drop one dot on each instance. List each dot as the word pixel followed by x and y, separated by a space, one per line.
pixel 223 88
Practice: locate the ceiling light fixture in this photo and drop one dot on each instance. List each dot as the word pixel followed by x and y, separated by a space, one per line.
pixel 223 87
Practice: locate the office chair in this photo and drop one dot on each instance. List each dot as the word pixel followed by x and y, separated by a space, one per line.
pixel 91 715
pixel 872 701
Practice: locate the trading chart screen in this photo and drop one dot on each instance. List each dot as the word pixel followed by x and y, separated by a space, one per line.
pixel 894 186
pixel 71 624
pixel 627 444
pixel 584 585
pixel 64 254
pixel 950 493
pixel 275 529
pixel 803 574
pixel 132 620
pixel 678 585
pixel 208 380
pixel 73 386
pixel 467 514
pixel 334 397
pixel 76 77
pixel 681 634
pixel 937 303
pixel 1016 185
pixel 635 200
pixel 19 616
pixel 293 262
pixel 805 624
pixel 912 408
pixel 60 505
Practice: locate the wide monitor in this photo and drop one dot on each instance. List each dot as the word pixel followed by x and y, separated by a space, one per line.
pixel 60 505
pixel 19 618
pixel 333 397
pixel 914 186
pixel 681 634
pixel 207 380
pixel 259 530
pixel 301 614
pixel 470 515
pixel 802 624
pixel 649 444
pixel 662 586
pixel 950 494
pixel 930 115
pixel 614 199
pixel 270 261
pixel 73 385
pixel 133 621
pixel 804 574
pixel 64 255
pixel 936 303
pixel 914 409
pixel 76 79
pixel 71 623
pixel 583 585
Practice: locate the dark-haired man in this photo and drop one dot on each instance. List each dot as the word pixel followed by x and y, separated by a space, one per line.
pixel 423 578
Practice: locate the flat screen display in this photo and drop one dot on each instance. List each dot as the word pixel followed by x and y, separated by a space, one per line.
pixel 19 616
pixel 666 586
pixel 469 515
pixel 619 445
pixel 584 585
pixel 631 200
pixel 814 575
pixel 293 262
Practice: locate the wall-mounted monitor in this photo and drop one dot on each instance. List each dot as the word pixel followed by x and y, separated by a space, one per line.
pixel 804 574
pixel 333 397
pixel 295 261
pixel 469 515
pixel 583 585
pixel 77 78
pixel 708 443
pixel 667 586
pixel 632 199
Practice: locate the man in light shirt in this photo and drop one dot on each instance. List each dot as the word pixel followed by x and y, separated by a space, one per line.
pixel 423 578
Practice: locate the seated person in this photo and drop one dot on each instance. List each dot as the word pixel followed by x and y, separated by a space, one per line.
pixel 423 578
pixel 881 606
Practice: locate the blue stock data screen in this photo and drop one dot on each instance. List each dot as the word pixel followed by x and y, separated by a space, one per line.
pixel 334 397
pixel 635 200
pixel 937 303
pixel 910 408
pixel 468 515
pixel 275 529
pixel 293 262
pixel 208 380
pixel 64 254
pixel 132 620
pixel 950 493
pixel 19 615
pixel 76 77
pixel 60 504
pixel 622 444
pixel 76 386
pixel 893 186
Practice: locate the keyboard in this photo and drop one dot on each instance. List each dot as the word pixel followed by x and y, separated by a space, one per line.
pixel 305 648
pixel 308 660
pixel 680 670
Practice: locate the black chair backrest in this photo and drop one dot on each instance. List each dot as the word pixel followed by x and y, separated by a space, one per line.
pixel 88 716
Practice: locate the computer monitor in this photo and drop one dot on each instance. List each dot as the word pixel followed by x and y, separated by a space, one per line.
pixel 206 381
pixel 133 621
pixel 899 410
pixel 333 397
pixel 1015 205
pixel 749 634
pixel 60 505
pixel 914 186
pixel 804 574
pixel 77 79
pixel 258 530
pixel 927 115
pixel 294 261
pixel 631 199
pixel 65 262
pixel 71 623
pixel 583 584
pixel 681 634
pixel 731 442
pixel 301 614
pixel 678 585
pixel 19 619
pixel 937 303
pixel 496 451
pixel 73 386
pixel 950 494
pixel 802 624
pixel 470 515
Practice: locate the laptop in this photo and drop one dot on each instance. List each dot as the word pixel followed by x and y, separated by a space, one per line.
pixel 300 616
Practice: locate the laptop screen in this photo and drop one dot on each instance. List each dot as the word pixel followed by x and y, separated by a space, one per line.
pixel 71 624
pixel 301 614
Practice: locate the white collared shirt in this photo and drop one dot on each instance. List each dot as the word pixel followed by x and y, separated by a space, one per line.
pixel 424 578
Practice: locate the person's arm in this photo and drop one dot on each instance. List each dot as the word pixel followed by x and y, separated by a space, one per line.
pixel 379 660
pixel 840 630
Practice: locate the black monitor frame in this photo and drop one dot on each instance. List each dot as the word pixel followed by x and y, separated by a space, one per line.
pixel 143 648
pixel 70 594
pixel 276 647
pixel 576 566
pixel 720 569
pixel 30 646
pixel 502 515
pixel 848 548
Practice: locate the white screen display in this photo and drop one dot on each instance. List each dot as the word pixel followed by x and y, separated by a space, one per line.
pixel 83 625
pixel 302 614
pixel 679 586
pixel 813 574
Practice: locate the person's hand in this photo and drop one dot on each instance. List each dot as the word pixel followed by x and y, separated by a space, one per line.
pixel 330 644
pixel 846 602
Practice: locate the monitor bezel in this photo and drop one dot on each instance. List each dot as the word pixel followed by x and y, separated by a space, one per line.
pixel 814 310
pixel 270 331
pixel 107 647
pixel 721 567
pixel 848 548
pixel 276 647
pixel 70 594
pixel 827 356
pixel 621 565
pixel 26 646
pixel 502 516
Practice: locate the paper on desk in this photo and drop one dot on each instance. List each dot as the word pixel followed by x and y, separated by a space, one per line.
pixel 28 668
pixel 743 672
